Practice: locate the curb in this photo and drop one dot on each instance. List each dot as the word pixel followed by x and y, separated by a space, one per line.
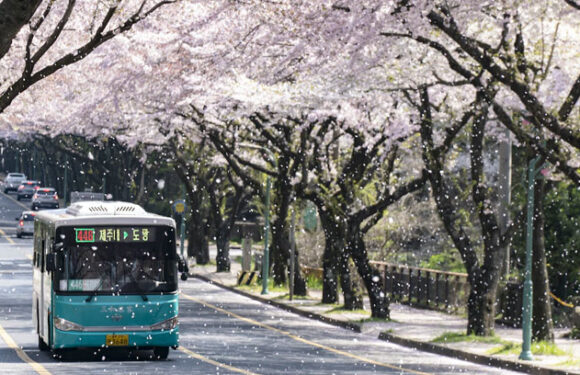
pixel 414 344
pixel 471 357
pixel 339 323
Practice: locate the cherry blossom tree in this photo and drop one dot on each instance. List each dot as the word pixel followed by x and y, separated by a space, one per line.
pixel 234 59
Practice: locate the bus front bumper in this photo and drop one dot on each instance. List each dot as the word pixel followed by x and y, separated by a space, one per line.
pixel 115 339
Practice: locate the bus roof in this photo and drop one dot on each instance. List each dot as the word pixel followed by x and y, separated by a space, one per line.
pixel 103 213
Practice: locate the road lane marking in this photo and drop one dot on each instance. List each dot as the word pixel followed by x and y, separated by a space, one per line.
pixel 302 340
pixel 40 369
pixel 10 240
pixel 15 201
pixel 215 363
pixel 29 256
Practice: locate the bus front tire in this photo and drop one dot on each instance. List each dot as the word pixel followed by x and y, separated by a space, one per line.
pixel 42 346
pixel 161 352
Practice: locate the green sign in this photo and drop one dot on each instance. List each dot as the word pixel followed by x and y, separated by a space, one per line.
pixel 309 218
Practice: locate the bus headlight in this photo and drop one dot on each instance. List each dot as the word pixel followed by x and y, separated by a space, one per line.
pixel 65 325
pixel 165 325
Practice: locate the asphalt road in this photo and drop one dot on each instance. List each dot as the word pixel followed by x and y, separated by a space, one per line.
pixel 220 333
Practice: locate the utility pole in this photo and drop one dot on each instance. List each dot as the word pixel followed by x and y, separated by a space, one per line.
pixel 266 260
pixel 526 353
pixel 182 229
pixel 65 182
pixel 266 256
pixel 505 182
pixel 292 240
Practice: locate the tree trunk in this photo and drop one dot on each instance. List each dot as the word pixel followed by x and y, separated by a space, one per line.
pixel 349 282
pixel 481 307
pixel 280 232
pixel 300 287
pixel 223 250
pixel 371 277
pixel 329 278
pixel 329 264
pixel 198 246
pixel 542 324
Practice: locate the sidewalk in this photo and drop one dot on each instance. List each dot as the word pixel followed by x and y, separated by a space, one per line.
pixel 412 327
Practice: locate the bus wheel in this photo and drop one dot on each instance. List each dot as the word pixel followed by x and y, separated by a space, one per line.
pixel 42 346
pixel 62 354
pixel 161 352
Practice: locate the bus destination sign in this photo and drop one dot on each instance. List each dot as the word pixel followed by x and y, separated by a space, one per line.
pixel 114 234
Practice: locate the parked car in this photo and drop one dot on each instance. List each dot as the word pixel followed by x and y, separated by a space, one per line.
pixel 45 197
pixel 25 224
pixel 27 189
pixel 12 181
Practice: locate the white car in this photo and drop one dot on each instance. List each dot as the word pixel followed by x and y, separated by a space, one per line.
pixel 12 181
pixel 25 224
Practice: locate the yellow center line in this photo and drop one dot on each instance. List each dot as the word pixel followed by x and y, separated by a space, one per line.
pixel 40 369
pixel 215 363
pixel 10 240
pixel 302 340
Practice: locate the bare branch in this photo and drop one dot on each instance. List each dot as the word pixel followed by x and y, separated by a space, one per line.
pixel 573 4
pixel 570 101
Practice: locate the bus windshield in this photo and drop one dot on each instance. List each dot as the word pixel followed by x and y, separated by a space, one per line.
pixel 122 263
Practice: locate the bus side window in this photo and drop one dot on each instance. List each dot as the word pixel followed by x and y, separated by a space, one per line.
pixel 36 257
pixel 41 265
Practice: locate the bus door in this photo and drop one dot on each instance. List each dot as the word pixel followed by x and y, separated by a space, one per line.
pixel 46 287
pixel 42 318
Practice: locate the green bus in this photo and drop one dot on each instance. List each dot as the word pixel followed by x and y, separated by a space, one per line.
pixel 105 276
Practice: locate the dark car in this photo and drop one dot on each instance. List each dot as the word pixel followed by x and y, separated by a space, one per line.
pixel 25 224
pixel 27 189
pixel 45 197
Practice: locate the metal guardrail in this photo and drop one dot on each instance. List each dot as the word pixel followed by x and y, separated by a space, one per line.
pixel 432 289
pixel 418 286
pixel 423 286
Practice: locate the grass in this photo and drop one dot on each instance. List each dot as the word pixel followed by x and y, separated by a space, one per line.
pixel 257 288
pixel 313 283
pixel 572 362
pixel 238 259
pixel 451 337
pixel 211 263
pixel 538 348
pixel 287 296
pixel 339 309
pixel 375 320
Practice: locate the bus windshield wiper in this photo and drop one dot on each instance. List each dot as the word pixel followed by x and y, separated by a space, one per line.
pixel 94 292
pixel 138 288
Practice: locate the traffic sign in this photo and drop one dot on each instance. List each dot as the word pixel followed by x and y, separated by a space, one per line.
pixel 179 207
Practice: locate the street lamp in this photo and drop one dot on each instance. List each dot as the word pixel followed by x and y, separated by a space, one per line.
pixel 526 353
pixel 266 257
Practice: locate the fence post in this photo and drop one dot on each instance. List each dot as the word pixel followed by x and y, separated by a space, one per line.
pixel 428 288
pixel 437 276
pixel 403 286
pixel 447 292
pixel 411 286
pixel 456 299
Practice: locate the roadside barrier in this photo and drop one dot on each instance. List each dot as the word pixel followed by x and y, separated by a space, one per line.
pixel 560 301
pixel 247 278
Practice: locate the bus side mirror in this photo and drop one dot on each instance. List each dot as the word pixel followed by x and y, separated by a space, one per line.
pixel 183 268
pixel 51 262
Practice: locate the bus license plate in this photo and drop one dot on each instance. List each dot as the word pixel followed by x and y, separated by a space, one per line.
pixel 118 340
